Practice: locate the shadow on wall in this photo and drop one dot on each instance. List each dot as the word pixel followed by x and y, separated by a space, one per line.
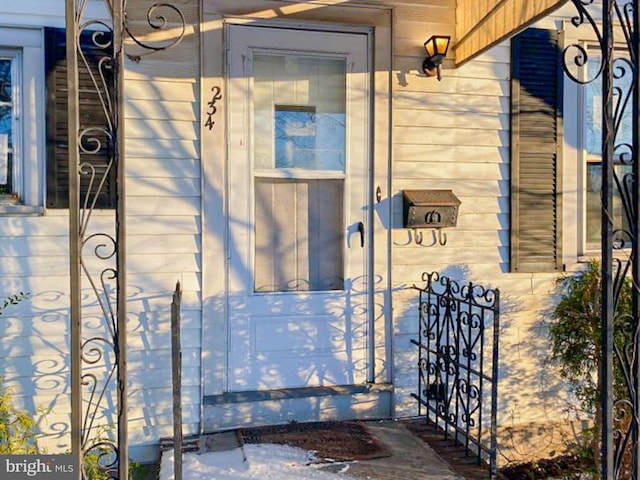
pixel 162 164
pixel 531 396
pixel 330 349
pixel 289 343
pixel 36 337
pixel 555 422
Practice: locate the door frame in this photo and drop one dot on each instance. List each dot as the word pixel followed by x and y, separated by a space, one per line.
pixel 246 306
pixel 214 164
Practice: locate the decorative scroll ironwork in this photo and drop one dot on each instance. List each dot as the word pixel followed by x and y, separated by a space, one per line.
pixel 458 362
pixel 618 54
pixel 157 19
pixel 98 257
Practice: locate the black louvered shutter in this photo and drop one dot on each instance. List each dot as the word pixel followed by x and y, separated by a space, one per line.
pixel 536 145
pixel 91 115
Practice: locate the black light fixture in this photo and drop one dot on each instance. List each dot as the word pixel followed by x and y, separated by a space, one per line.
pixel 436 49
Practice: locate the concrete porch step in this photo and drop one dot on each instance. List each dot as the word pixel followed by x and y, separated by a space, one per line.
pixel 272 407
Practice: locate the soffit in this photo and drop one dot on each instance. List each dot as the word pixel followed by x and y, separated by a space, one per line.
pixel 480 24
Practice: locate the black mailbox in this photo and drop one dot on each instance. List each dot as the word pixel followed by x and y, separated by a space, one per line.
pixel 430 208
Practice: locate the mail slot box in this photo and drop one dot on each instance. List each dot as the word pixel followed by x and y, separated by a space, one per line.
pixel 430 208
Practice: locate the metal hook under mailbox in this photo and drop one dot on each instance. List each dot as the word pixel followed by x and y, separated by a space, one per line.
pixel 417 236
pixel 439 237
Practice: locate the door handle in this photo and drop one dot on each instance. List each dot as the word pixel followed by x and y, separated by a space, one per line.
pixel 361 230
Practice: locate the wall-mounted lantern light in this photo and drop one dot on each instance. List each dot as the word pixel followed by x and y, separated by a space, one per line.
pixel 436 49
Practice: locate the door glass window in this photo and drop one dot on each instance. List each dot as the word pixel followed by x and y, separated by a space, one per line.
pixel 299 112
pixel 299 151
pixel 298 229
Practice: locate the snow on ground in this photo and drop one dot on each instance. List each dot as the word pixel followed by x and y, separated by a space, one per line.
pixel 256 462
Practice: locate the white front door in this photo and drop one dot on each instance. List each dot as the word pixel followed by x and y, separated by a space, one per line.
pixel 298 190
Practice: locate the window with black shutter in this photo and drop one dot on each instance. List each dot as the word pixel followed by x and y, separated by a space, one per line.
pixel 92 115
pixel 536 145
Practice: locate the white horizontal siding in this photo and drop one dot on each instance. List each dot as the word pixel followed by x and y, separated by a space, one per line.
pixel 451 135
pixel 162 148
pixel 150 109
pixel 452 153
pixel 140 167
pixel 136 264
pixel 454 134
pixel 160 91
pixel 164 201
pixel 445 102
pixel 447 119
pixel 163 246
pixel 48 13
pixel 454 171
pixel 405 135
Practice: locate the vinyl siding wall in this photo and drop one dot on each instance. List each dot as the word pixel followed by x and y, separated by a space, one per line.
pixel 452 134
pixel 163 247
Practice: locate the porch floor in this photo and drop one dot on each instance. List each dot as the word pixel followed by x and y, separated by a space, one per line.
pixel 412 458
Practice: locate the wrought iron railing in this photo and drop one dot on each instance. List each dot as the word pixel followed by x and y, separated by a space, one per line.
pixel 614 26
pixel 458 363
pixel 97 255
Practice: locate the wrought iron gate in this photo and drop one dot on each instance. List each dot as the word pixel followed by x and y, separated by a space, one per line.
pixel 458 362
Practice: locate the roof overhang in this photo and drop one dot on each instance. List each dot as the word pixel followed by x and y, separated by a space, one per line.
pixel 481 24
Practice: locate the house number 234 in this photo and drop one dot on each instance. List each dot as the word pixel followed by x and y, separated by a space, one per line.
pixel 217 95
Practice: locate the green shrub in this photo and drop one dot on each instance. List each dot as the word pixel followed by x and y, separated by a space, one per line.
pixel 95 465
pixel 17 428
pixel 93 468
pixel 576 345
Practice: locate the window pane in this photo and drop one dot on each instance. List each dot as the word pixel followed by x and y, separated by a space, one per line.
pixel 6 126
pixel 298 235
pixel 299 111
pixel 593 203
pixel 5 80
pixel 593 104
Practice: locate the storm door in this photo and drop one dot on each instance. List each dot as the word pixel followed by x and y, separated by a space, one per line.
pixel 297 207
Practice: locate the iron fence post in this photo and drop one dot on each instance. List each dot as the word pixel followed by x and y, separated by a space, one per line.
pixel 494 388
pixel 635 229
pixel 608 139
pixel 176 367
pixel 103 65
pixel 121 234
pixel 75 303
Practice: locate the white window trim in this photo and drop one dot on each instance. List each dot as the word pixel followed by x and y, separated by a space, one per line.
pixel 27 44
pixel 583 158
pixel 572 181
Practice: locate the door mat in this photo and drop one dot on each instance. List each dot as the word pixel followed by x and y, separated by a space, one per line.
pixel 339 441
